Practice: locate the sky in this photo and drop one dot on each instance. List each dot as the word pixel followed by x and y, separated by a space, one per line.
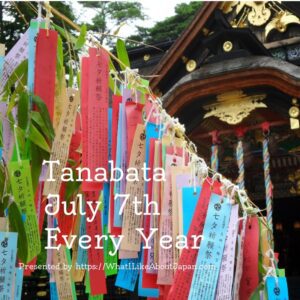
pixel 156 10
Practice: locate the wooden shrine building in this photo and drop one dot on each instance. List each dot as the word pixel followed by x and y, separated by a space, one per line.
pixel 236 67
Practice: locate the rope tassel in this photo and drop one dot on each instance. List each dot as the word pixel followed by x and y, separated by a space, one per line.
pixel 240 162
pixel 268 183
pixel 214 161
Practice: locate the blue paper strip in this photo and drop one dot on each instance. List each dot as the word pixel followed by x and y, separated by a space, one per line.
pixel 105 209
pixel 209 257
pixel 117 186
pixel 53 291
pixel 146 292
pixel 109 132
pixel 128 273
pixel 277 291
pixel 8 253
pixel 152 132
pixel 82 255
pixel 190 198
pixel 18 283
pixel 1 64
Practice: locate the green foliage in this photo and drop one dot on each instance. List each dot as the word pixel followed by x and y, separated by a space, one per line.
pixel 44 114
pixel 112 15
pixel 81 39
pixel 36 164
pixel 12 25
pixel 36 137
pixel 17 225
pixel 171 27
pixel 60 60
pixel 71 48
pixel 122 54
pixel 15 83
pixel 23 111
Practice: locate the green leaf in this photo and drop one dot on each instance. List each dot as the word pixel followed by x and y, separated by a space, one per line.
pixel 60 61
pixel 66 35
pixel 111 80
pixel 256 293
pixel 60 54
pixel 72 188
pixel 78 78
pixel 81 39
pixel 37 138
pixel 2 180
pixel 1 134
pixel 71 75
pixel 23 110
pixel 39 121
pixel 122 54
pixel 44 113
pixel 36 164
pixel 20 135
pixel 19 73
pixel 112 86
pixel 17 225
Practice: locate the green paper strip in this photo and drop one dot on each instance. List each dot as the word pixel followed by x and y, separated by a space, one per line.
pixel 111 262
pixel 74 295
pixel 21 184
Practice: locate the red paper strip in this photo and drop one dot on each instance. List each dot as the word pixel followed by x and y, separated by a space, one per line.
pixel 95 122
pixel 95 256
pixel 84 107
pixel 65 222
pixel 116 100
pixel 183 278
pixel 45 67
pixel 149 280
pixel 250 280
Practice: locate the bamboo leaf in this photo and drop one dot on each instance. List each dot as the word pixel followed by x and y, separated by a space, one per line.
pixel 17 225
pixel 112 86
pixel 65 34
pixel 18 74
pixel 71 75
pixel 44 113
pixel 39 121
pixel 81 38
pixel 37 138
pixel 60 60
pixel 60 54
pixel 23 110
pixel 78 78
pixel 20 135
pixel 122 54
pixel 38 156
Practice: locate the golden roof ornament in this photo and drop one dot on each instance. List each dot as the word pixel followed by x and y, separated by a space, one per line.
pixel 233 107
pixel 191 65
pixel 227 46
pixel 270 14
pixel 294 113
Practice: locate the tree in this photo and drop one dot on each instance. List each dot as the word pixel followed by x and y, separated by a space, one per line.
pixel 171 27
pixel 111 16
pixel 15 17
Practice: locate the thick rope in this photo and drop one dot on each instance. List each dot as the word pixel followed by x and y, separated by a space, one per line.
pixel 240 162
pixel 214 160
pixel 268 183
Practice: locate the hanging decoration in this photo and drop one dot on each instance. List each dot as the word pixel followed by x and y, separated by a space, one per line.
pixel 122 188
pixel 214 161
pixel 268 182
pixel 240 159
